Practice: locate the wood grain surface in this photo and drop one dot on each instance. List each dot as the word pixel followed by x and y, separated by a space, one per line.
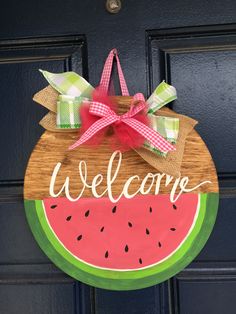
pixel 52 148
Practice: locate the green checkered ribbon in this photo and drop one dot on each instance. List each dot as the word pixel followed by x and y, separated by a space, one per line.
pixel 162 95
pixel 68 111
pixel 168 127
pixel 68 83
pixel 74 90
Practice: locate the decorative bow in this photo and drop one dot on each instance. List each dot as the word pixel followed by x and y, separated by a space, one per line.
pixel 109 117
pixel 74 90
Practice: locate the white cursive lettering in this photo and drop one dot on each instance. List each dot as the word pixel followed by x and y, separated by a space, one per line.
pixel 151 180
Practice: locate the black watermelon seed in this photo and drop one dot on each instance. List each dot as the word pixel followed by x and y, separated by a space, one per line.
pixel 130 224
pixel 53 206
pixel 159 244
pixel 147 231
pixel 114 209
pixel 106 254
pixel 102 229
pixel 150 209
pixel 79 237
pixel 126 248
pixel 87 213
pixel 174 206
pixel 172 229
pixel 68 218
pixel 140 261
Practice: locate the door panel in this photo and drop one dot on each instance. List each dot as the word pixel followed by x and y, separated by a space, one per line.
pixel 14 233
pixel 36 298
pixel 210 295
pixel 19 64
pixel 146 301
pixel 189 44
pixel 202 66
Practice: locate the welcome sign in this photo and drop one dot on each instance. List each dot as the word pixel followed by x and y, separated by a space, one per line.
pixel 113 218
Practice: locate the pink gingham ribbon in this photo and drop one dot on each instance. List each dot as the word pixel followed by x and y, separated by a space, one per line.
pixel 106 74
pixel 108 117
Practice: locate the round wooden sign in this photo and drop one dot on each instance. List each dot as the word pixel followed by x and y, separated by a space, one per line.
pixel 109 219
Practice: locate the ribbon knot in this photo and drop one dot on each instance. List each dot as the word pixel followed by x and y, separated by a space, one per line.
pixel 109 117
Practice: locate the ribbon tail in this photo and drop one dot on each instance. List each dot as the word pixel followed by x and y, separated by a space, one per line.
pixel 95 127
pixel 162 95
pixel 152 136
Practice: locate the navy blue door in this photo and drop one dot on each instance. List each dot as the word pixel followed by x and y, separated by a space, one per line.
pixel 190 44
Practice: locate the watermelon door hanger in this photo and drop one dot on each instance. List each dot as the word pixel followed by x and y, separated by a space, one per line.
pixel 120 193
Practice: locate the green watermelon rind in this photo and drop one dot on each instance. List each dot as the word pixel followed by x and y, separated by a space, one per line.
pixel 125 280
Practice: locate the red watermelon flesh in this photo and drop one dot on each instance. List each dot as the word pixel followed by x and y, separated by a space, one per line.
pixel 127 235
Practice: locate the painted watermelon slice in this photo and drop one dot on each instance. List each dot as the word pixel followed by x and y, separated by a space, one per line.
pixel 132 244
